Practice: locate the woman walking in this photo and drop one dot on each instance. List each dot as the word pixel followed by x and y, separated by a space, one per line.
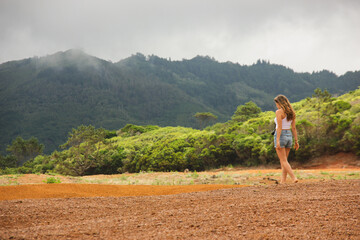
pixel 285 121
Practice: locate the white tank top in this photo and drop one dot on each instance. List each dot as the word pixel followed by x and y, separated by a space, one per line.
pixel 285 123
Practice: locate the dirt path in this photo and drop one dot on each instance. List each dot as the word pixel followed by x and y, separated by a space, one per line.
pixel 97 190
pixel 309 210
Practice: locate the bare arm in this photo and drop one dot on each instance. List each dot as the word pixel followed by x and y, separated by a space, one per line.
pixel 279 114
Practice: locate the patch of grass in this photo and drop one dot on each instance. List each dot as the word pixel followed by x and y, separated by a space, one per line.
pixel 15 176
pixel 14 182
pixel 230 181
pixel 194 175
pixel 123 178
pixel 298 176
pixel 51 173
pixel 220 175
pixel 310 176
pixel 11 179
pixel 50 180
pixel 339 177
pixel 271 174
pixel 180 182
pixel 157 182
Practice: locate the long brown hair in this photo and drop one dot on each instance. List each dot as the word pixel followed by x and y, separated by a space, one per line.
pixel 286 106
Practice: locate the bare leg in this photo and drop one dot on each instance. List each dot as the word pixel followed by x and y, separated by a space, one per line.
pixel 283 174
pixel 283 153
pixel 287 152
pixel 283 170
pixel 287 157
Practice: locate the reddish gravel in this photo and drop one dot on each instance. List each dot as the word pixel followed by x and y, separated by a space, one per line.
pixel 309 210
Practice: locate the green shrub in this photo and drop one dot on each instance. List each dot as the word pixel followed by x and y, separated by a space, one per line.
pixel 50 180
pixel 132 130
pixel 110 134
pixel 341 106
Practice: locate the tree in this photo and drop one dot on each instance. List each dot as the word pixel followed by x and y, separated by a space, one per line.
pixel 204 118
pixel 321 97
pixel 246 111
pixel 25 150
pixel 8 161
pixel 306 126
pixel 84 151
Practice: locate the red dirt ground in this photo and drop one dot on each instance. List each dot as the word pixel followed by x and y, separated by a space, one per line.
pixel 308 210
pixel 311 209
pixel 36 191
pixel 339 160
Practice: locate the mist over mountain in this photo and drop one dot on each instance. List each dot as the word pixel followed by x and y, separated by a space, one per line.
pixel 48 96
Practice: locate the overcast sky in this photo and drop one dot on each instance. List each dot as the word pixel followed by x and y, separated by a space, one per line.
pixel 305 35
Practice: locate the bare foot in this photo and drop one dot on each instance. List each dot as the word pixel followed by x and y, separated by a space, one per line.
pixel 296 180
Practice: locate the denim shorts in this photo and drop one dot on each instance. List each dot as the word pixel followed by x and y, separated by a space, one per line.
pixel 285 139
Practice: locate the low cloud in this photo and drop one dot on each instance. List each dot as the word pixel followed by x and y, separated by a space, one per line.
pixel 304 35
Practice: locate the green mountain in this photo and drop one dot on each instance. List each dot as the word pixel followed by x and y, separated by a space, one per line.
pixel 48 96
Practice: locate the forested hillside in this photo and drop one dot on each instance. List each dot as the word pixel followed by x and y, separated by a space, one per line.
pixel 48 96
pixel 325 125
